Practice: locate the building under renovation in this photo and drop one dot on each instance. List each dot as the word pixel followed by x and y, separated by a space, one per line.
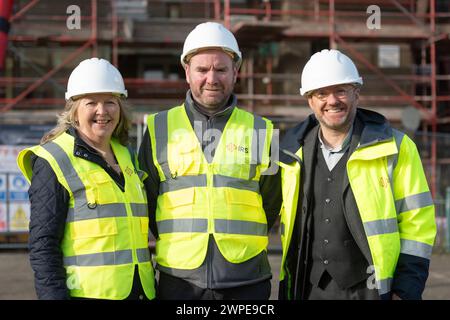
pixel 401 48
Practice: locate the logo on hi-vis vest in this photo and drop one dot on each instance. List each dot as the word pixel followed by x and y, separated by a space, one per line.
pixel 129 171
pixel 384 182
pixel 233 147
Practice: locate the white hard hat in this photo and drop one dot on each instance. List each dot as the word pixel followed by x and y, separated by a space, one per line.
pixel 328 68
pixel 95 76
pixel 211 35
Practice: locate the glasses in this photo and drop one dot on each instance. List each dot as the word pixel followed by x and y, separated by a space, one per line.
pixel 340 93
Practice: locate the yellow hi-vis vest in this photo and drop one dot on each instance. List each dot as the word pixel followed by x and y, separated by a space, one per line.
pixel 197 198
pixel 393 199
pixel 106 231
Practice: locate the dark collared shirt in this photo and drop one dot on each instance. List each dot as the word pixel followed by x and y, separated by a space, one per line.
pixel 333 155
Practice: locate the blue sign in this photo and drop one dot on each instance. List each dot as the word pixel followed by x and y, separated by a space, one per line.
pixel 18 196
pixel 3 188
pixel 19 182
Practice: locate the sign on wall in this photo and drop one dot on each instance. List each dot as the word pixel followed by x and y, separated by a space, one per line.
pixel 18 206
pixel 388 56
pixel 3 207
pixel 8 154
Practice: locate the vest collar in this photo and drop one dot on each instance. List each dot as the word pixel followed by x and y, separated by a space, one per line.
pixel 376 128
pixel 84 151
pixel 193 107
pixel 80 146
pixel 294 139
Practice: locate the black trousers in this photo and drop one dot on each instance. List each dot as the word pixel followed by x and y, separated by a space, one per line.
pixel 173 288
pixel 328 289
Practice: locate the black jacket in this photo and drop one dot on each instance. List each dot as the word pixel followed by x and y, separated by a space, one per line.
pixel 49 206
pixel 411 272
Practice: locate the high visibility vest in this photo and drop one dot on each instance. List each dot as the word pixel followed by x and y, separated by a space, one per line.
pixel 106 231
pixel 197 198
pixel 393 199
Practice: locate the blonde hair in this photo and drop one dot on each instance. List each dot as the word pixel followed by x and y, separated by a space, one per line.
pixel 68 119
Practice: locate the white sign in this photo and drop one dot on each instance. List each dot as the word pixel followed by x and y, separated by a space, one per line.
pixel 388 56
pixel 18 186
pixel 8 157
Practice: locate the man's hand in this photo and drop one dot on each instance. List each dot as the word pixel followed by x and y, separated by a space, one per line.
pixel 395 297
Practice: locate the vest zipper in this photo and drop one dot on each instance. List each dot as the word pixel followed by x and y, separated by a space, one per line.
pixel 130 225
pixel 209 186
pixel 302 219
pixel 208 264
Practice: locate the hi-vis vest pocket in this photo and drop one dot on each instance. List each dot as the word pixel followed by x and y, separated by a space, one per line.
pixel 177 198
pixel 93 228
pixel 103 186
pixel 242 197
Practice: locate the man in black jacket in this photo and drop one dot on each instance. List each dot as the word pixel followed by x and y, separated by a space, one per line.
pixel 358 217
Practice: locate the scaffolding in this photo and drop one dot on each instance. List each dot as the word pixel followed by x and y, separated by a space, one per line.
pixel 144 38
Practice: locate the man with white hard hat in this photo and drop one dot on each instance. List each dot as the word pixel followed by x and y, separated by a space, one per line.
pixel 357 216
pixel 211 205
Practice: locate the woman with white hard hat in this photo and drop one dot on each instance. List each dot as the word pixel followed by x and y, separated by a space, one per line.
pixel 89 221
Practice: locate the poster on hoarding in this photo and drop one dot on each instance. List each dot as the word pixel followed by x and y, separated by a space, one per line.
pixel 3 207
pixel 8 154
pixel 19 216
pixel 18 206
pixel 3 217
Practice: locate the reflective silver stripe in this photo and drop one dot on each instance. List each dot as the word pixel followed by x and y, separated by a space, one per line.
pixel 139 209
pixel 393 159
pixel 182 182
pixel 240 227
pixel 236 183
pixel 293 155
pixel 107 211
pixel 162 141
pixel 376 227
pixel 99 211
pixel 143 255
pixel 73 180
pixel 100 259
pixel 384 285
pixel 258 143
pixel 282 228
pixel 416 248
pixel 140 174
pixel 219 181
pixel 412 202
pixel 84 210
pixel 182 225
